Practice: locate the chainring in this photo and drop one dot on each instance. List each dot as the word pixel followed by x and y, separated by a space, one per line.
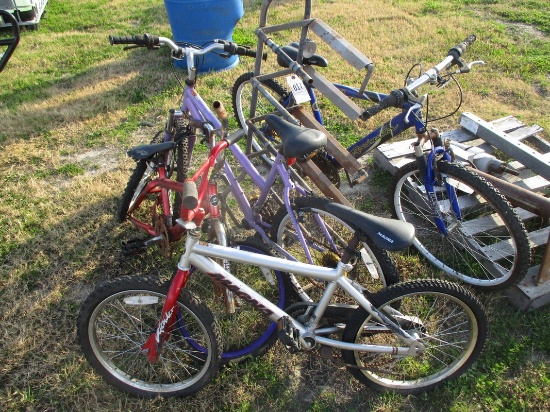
pixel 268 210
pixel 327 167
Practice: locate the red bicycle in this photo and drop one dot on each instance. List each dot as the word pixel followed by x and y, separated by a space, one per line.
pixel 153 202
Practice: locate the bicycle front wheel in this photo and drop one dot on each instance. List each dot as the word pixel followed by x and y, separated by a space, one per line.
pixel 327 237
pixel 118 317
pixel 449 320
pixel 246 333
pixel 487 247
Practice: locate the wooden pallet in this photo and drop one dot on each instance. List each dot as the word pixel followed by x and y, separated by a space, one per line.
pixel 531 156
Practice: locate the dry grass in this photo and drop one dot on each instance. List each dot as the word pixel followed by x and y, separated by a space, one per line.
pixel 63 168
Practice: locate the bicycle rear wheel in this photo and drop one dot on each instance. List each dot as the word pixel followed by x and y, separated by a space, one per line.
pixel 487 248
pixel 241 96
pixel 120 315
pixel 246 333
pixel 373 268
pixel 146 171
pixel 450 321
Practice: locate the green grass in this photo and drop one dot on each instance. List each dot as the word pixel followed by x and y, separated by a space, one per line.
pixel 70 107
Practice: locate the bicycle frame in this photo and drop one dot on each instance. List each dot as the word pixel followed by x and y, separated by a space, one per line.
pixel 410 116
pixel 196 110
pixel 279 168
pixel 200 256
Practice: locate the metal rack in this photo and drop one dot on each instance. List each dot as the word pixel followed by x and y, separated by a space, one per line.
pixel 296 115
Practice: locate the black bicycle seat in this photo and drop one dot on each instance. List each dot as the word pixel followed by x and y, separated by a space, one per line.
pixel 292 51
pixel 388 234
pixel 298 141
pixel 148 150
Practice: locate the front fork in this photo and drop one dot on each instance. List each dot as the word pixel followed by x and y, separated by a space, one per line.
pixel 153 345
pixel 216 231
pixel 427 167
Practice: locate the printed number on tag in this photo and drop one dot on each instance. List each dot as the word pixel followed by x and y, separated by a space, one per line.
pixel 297 88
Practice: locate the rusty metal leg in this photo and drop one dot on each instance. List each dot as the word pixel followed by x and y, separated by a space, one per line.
pixel 323 183
pixel 518 196
pixel 340 153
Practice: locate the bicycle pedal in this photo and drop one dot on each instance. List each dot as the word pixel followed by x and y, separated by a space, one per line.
pixel 133 247
pixel 288 334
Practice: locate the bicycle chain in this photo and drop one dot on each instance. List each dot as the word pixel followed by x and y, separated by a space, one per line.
pixel 268 209
pixel 327 167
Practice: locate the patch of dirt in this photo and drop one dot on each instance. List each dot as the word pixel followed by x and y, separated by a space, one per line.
pixel 97 161
pixel 524 29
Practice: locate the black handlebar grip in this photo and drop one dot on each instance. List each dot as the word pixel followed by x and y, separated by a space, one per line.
pixel 146 40
pixel 245 51
pixel 461 47
pixel 252 53
pixel 234 48
pixel 396 98
pixel 190 195
pixel 122 40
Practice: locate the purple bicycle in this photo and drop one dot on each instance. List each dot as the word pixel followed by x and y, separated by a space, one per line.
pixel 291 222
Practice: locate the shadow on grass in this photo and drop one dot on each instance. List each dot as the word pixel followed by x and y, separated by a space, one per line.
pixel 43 283
pixel 97 93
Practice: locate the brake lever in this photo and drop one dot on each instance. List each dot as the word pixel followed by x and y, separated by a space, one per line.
pixel 475 63
pixel 467 67
pixel 413 107
pixel 418 104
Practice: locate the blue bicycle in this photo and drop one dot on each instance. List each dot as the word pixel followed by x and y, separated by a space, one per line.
pixel 464 226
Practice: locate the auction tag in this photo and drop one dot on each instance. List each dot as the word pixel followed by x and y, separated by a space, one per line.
pixel 296 86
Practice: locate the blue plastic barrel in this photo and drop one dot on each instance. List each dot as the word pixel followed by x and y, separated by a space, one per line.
pixel 201 21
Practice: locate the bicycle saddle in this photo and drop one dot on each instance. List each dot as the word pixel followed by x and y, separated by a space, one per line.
pixel 388 234
pixel 147 150
pixel 298 141
pixel 292 51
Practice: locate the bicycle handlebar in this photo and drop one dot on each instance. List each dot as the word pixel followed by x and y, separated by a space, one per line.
pixel 398 97
pixel 152 42
pixel 11 42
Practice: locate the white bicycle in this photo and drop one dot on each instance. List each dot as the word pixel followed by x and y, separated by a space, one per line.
pixel 158 340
